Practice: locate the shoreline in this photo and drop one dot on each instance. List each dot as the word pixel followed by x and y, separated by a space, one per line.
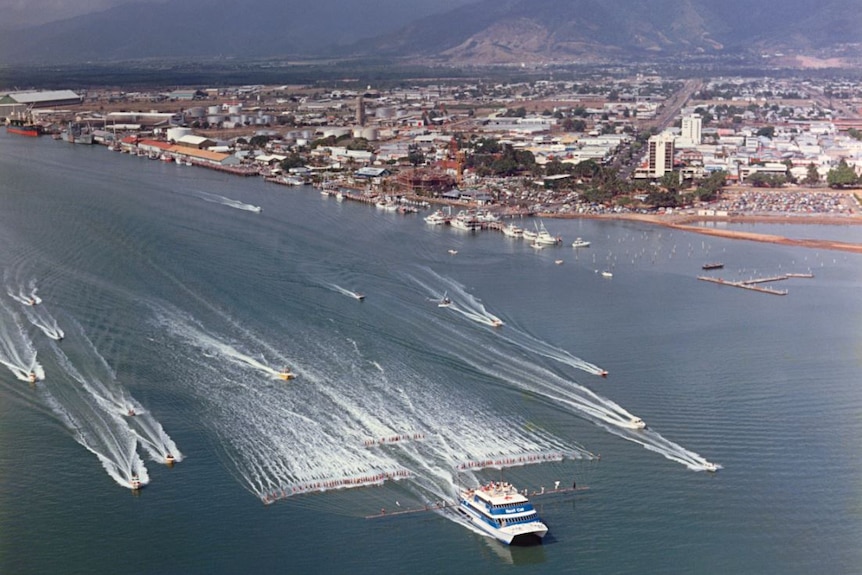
pixel 684 223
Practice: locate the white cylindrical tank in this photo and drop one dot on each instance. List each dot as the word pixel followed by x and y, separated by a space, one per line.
pixel 369 134
pixel 234 110
pixel 174 134
pixel 214 110
pixel 196 112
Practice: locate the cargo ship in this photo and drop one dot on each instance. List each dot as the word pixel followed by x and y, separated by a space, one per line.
pixel 23 128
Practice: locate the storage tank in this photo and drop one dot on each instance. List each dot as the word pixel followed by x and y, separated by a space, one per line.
pixel 214 110
pixel 196 112
pixel 175 134
pixel 370 134
pixel 234 110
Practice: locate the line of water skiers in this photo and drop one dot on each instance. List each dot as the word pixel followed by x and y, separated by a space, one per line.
pixel 334 484
pixel 394 439
pixel 513 460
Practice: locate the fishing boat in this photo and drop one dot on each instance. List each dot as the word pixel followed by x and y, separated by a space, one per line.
pixel 513 231
pixel 499 510
pixel 580 243
pixel 543 236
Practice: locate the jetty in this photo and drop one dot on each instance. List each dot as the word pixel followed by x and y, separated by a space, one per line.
pixel 756 283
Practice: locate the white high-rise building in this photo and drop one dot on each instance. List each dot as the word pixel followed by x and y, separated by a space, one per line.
pixel 690 134
pixel 660 155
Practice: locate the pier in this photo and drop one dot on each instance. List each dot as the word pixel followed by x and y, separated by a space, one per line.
pixel 755 284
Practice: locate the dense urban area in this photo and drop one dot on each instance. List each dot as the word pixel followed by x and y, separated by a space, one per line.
pixel 639 145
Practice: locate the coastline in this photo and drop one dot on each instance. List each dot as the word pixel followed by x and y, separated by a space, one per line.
pixel 684 223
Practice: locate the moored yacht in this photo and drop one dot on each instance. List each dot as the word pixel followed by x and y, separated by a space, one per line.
pixel 500 511
pixel 436 218
pixel 544 237
pixel 513 231
pixel 580 243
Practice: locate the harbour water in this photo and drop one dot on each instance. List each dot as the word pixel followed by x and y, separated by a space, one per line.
pixel 175 295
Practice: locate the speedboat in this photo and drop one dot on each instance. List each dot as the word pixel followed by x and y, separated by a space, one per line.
pixel 637 423
pixel 607 274
pixel 558 262
pixel 444 301
pixel 711 467
pixel 359 296
pixel 496 322
pixel 453 252
pixel 580 243
pixel 131 412
pixel 32 377
pixel 604 373
pixel 135 483
pixel 498 510
pixel 169 460
pixel 286 374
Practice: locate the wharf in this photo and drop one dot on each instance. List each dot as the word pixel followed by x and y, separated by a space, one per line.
pixel 754 284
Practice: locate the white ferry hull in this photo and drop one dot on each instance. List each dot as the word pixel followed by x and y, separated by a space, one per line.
pixel 523 534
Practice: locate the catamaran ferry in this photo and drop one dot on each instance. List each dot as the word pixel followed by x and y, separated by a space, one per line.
pixel 499 510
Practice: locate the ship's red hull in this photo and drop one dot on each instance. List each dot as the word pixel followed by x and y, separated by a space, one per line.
pixel 23 130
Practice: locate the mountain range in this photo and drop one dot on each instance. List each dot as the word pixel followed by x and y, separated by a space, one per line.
pixel 448 31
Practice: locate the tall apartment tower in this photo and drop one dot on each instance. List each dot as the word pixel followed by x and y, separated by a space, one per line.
pixel 360 111
pixel 690 134
pixel 660 155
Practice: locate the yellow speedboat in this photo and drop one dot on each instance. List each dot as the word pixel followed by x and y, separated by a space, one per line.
pixel 286 374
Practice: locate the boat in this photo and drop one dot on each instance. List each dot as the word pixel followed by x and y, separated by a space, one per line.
pixel 467 221
pixel 130 412
pixel 513 231
pixel 169 460
pixel 22 127
pixel 496 322
pixel 712 266
pixel 286 374
pixel 580 243
pixel 529 234
pixel 444 301
pixel 558 262
pixel 436 218
pixel 637 423
pixel 32 377
pixel 544 236
pixel 453 252
pixel 711 467
pixel 359 296
pixel 604 373
pixel 499 510
pixel 135 483
pixel 607 274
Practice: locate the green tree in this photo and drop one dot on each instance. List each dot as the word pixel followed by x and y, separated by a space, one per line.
pixel 415 155
pixel 768 131
pixel 813 176
pixel 842 176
